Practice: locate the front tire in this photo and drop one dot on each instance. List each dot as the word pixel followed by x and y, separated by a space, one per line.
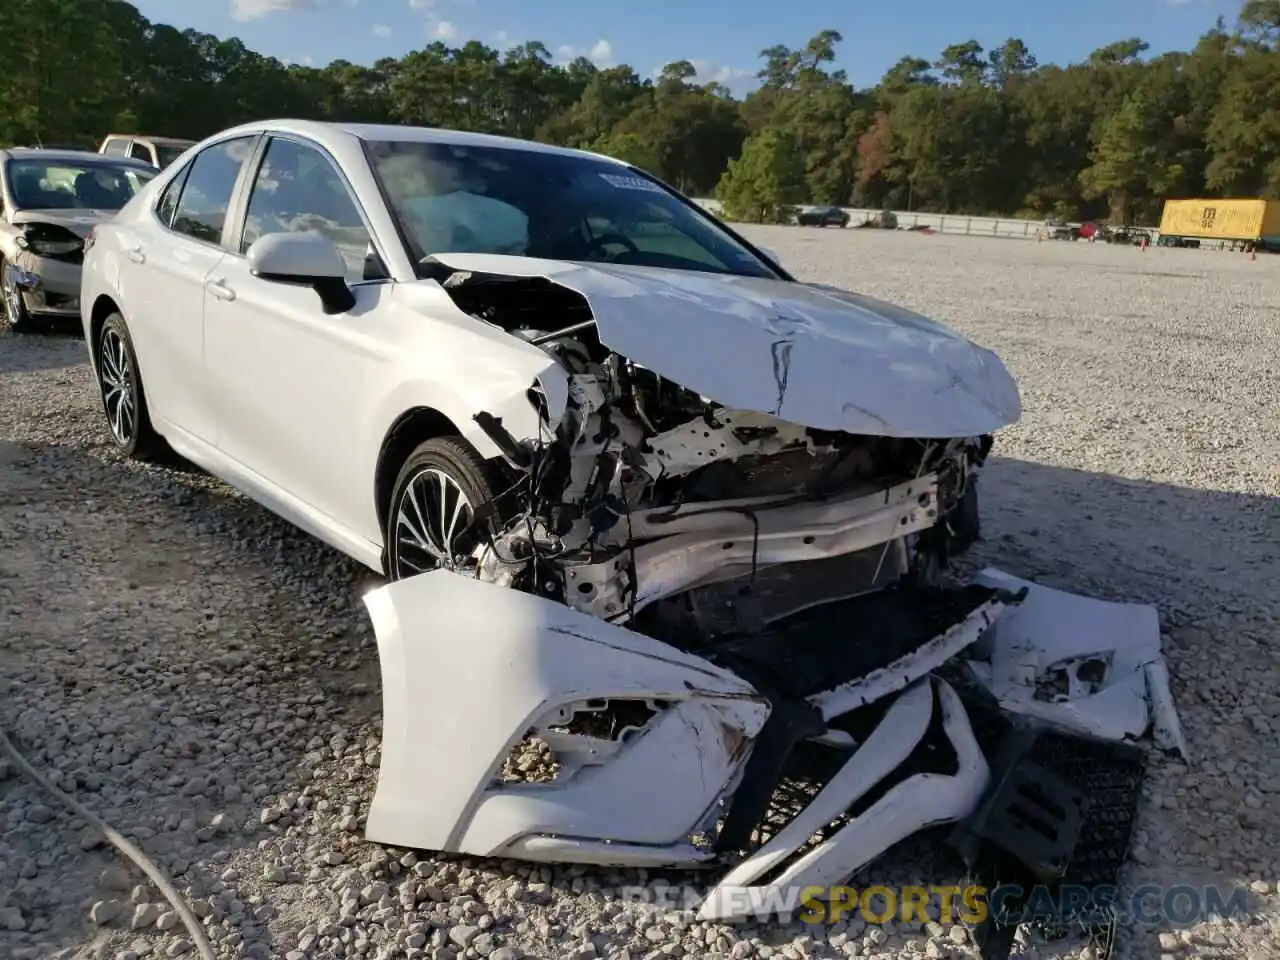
pixel 431 518
pixel 15 311
pixel 123 399
pixel 966 523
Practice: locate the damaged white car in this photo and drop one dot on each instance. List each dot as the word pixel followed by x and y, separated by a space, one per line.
pixel 665 509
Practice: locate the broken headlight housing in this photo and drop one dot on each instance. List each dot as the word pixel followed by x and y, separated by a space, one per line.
pixel 51 241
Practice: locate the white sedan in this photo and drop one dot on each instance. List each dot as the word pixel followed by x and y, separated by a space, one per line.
pixel 431 348
pixel 645 495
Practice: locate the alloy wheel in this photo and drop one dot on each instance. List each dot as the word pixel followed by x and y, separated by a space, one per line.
pixel 115 378
pixel 433 524
pixel 12 299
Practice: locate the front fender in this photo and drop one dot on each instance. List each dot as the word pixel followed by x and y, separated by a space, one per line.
pixel 459 366
pixel 468 668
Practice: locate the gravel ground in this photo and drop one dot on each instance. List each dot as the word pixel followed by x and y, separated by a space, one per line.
pixel 203 676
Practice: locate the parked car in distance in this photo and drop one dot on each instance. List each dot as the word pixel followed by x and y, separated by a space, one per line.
pixel 421 346
pixel 1056 228
pixel 49 201
pixel 881 220
pixel 157 151
pixel 823 216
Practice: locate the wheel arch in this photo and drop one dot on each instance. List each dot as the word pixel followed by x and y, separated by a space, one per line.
pixel 103 307
pixel 416 425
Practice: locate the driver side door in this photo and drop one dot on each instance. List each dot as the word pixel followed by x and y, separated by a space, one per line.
pixel 294 381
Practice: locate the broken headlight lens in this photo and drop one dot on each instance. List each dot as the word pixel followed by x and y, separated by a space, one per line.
pixel 50 240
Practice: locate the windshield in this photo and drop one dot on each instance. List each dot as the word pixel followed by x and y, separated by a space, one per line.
pixel 166 155
pixel 455 198
pixel 37 184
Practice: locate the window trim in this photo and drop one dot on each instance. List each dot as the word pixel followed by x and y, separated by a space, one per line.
pixel 184 173
pixel 178 181
pixel 246 189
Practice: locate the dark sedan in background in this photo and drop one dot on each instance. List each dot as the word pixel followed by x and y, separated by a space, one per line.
pixel 822 217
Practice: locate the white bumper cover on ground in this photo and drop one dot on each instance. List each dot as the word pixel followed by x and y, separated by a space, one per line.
pixel 470 670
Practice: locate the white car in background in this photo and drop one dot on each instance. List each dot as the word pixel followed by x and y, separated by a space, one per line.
pixel 159 152
pixel 642 492
pixel 49 200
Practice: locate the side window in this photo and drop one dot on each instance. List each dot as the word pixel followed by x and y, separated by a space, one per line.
pixel 296 190
pixel 116 146
pixel 140 151
pixel 169 199
pixel 206 195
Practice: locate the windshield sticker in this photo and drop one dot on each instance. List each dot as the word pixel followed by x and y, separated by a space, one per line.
pixel 631 183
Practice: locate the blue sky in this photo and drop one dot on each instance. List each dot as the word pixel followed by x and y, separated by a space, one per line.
pixel 723 38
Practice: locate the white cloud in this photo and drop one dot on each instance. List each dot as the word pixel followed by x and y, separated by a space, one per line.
pixel 444 30
pixel 600 53
pixel 381 30
pixel 501 38
pixel 244 11
pixel 737 79
pixel 421 4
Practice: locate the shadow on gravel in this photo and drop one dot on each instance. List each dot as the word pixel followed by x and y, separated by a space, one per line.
pixel 60 346
pixel 217 661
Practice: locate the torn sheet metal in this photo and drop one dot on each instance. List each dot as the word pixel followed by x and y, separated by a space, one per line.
pixel 1083 666
pixel 811 355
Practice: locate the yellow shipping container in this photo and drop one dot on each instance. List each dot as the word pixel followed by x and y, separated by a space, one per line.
pixel 1221 219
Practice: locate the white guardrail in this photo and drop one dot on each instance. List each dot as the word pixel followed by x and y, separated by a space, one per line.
pixel 942 222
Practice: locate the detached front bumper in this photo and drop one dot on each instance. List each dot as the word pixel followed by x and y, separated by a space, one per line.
pixel 48 288
pixel 660 758
pixel 654 747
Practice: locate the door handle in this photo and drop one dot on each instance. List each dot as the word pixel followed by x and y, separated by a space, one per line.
pixel 220 290
pixel 137 256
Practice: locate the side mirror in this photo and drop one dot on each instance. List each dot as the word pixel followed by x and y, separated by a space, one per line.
pixel 306 259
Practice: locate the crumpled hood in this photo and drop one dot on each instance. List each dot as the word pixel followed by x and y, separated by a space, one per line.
pixel 805 353
pixel 79 221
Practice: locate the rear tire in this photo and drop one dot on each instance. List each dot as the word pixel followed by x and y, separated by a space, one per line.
pixel 430 518
pixel 15 311
pixel 123 399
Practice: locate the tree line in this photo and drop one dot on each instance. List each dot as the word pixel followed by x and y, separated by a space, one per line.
pixel 971 131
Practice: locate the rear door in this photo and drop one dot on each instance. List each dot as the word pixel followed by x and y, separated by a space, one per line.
pixel 167 260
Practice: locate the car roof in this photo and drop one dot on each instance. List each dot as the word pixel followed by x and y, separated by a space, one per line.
pixel 158 141
pixel 71 156
pixel 323 132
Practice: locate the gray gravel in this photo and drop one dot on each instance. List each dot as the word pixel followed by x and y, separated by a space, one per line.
pixel 203 677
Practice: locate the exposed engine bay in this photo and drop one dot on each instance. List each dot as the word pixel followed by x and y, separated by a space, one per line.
pixel 646 498
pixel 709 636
